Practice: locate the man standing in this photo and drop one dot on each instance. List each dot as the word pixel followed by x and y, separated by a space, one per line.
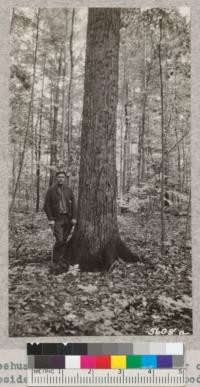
pixel 60 208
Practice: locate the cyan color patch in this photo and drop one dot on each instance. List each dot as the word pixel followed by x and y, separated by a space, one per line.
pixel 149 361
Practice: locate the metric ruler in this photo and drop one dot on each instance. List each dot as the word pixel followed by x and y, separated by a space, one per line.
pixel 103 378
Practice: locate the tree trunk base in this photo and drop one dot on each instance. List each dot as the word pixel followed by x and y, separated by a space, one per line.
pixel 78 252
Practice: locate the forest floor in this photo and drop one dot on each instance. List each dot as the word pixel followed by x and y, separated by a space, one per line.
pixel 132 299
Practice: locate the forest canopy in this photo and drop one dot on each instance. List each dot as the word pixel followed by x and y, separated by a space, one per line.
pixel 46 99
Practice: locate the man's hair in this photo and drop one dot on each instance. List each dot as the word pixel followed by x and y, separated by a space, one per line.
pixel 60 173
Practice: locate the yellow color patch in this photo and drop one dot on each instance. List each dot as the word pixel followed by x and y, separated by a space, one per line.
pixel 118 361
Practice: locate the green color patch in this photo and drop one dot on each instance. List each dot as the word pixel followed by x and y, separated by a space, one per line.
pixel 133 361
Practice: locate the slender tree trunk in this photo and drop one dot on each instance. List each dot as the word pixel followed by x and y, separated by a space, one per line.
pixel 32 140
pixel 14 167
pixel 40 142
pixel 12 20
pixel 139 155
pixel 184 163
pixel 144 110
pixel 121 157
pixel 162 139
pixel 141 147
pixel 29 114
pixel 148 145
pixel 187 223
pixel 126 140
pixel 123 136
pixel 177 139
pixel 62 149
pixel 51 124
pixel 167 120
pixel 19 163
pixel 188 172
pixel 69 116
pixel 167 155
pixel 178 155
pixel 54 145
pixel 129 158
pixel 97 243
pixel 122 178
pixel 46 173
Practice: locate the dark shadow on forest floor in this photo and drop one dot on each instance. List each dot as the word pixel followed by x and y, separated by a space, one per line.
pixel 130 300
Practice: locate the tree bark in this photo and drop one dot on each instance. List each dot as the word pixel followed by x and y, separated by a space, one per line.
pixel 97 243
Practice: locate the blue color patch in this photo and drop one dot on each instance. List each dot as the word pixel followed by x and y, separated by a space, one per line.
pixel 164 361
pixel 149 361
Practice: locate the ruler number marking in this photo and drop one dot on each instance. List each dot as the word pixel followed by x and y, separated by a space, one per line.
pixel 114 378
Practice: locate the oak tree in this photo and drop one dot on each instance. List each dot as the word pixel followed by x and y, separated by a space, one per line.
pixel 97 243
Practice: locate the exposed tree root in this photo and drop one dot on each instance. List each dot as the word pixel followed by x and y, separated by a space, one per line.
pixel 78 252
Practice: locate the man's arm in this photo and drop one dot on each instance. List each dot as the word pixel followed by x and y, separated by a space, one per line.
pixel 47 206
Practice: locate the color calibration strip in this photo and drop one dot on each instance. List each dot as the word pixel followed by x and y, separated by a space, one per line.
pixel 105 349
pixel 108 365
pixel 105 362
pixel 105 356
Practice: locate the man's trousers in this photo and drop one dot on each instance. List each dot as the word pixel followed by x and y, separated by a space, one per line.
pixel 62 228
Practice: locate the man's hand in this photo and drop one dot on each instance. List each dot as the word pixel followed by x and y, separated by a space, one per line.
pixel 73 221
pixel 51 224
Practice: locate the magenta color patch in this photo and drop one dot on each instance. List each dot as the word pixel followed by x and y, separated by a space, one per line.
pixel 88 362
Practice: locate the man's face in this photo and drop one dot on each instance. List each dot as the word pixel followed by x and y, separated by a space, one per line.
pixel 60 179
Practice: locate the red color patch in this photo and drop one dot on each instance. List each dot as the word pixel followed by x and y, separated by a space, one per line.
pixel 103 362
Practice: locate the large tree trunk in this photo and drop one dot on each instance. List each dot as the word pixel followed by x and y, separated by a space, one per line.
pixel 97 243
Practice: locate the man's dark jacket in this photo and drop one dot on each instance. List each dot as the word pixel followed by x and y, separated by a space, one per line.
pixel 51 203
